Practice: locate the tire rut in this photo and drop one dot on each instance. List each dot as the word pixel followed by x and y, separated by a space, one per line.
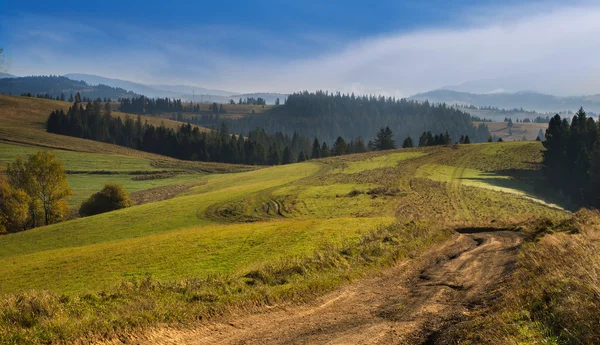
pixel 410 303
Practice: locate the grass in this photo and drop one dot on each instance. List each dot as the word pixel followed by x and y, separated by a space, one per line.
pixel 251 238
pixel 46 317
pixel 194 252
pixel 89 172
pixel 389 160
pixel 22 132
pixel 80 161
pixel 84 185
pixel 519 129
pixel 554 295
pixel 23 120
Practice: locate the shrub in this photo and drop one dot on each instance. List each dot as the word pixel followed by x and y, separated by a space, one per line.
pixel 111 197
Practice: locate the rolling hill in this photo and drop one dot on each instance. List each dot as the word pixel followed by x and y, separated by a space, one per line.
pixel 152 91
pixel 55 86
pixel 237 240
pixel 525 99
pixel 92 164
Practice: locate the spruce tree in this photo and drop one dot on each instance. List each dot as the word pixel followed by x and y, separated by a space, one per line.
pixel 325 151
pixel 287 156
pixel 316 149
pixel 384 140
pixel 302 157
pixel 408 143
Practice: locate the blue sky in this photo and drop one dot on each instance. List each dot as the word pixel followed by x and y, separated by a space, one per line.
pixel 390 47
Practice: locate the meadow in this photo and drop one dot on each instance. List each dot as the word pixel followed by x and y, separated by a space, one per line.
pixel 245 238
pixel 90 164
pixel 519 130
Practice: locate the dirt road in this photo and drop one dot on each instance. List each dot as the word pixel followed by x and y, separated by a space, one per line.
pixel 407 304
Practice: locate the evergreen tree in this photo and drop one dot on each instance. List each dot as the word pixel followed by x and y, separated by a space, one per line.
pixel 408 143
pixel 287 156
pixel 302 157
pixel 339 147
pixel 316 149
pixel 273 156
pixel 325 151
pixel 384 140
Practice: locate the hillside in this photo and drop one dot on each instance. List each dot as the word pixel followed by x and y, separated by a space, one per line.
pixel 519 130
pixel 170 91
pixel 266 235
pixel 92 164
pixel 55 86
pixel 327 116
pixel 527 100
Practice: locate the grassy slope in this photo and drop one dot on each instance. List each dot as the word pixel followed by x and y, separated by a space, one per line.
pixel 23 119
pixel 308 194
pixel 553 296
pixel 519 130
pixel 90 164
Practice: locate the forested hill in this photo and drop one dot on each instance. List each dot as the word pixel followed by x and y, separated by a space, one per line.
pixel 56 85
pixel 327 116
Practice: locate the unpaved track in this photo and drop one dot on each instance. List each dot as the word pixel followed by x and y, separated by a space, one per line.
pixel 406 304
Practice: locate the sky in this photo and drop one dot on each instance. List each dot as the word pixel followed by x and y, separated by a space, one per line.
pixel 396 48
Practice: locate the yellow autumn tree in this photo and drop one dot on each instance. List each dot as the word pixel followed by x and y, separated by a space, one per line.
pixel 14 207
pixel 43 177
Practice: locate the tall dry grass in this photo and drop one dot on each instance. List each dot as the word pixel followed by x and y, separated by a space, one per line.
pixel 554 294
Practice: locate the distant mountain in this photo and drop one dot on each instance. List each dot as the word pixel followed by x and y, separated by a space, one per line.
pixel 524 99
pixel 6 75
pixel 55 85
pixel 184 92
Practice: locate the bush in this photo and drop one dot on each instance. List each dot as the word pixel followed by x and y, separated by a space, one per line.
pixel 111 197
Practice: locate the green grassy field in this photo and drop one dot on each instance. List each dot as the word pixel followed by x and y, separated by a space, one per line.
pixel 91 164
pixel 23 120
pixel 372 189
pixel 250 237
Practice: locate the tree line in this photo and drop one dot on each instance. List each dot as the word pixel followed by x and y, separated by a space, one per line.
pixel 145 105
pixel 572 157
pixel 187 142
pixel 325 116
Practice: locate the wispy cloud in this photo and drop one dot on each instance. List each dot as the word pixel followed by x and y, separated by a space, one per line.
pixel 548 48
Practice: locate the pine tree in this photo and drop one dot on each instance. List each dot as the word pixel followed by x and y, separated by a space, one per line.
pixel 384 140
pixel 302 157
pixel 339 147
pixel 316 149
pixel 325 151
pixel 287 156
pixel 408 143
pixel 273 156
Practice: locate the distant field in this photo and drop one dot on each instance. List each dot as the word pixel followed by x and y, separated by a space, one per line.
pixel 519 130
pixel 23 119
pixel 231 111
pixel 372 189
pixel 91 164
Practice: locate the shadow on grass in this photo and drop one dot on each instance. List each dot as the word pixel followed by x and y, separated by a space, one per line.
pixel 531 183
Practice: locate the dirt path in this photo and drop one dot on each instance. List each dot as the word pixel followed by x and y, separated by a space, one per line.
pixel 406 304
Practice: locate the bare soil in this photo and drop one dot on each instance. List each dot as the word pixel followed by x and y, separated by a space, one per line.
pixel 411 303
